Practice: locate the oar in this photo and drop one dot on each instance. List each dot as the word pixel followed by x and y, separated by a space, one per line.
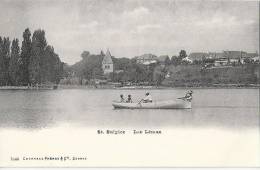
pixel 182 98
pixel 139 103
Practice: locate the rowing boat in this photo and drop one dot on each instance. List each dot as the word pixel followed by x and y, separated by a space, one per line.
pixel 168 104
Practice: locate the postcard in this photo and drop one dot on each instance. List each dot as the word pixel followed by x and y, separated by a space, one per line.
pixel 129 83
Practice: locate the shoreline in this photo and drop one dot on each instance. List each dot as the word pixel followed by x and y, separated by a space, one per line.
pixel 222 86
pixel 45 87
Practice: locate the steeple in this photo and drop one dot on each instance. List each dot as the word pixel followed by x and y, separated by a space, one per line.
pixel 107 58
pixel 108 53
pixel 107 63
pixel 102 53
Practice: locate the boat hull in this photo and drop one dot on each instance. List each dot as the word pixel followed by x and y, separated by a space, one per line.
pixel 170 104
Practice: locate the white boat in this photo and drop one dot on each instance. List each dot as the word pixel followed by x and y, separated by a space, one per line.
pixel 168 104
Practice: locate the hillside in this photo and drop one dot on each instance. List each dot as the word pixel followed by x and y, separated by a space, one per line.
pixel 194 75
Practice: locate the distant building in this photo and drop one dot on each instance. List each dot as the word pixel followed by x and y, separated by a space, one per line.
pixel 198 56
pixel 187 59
pixel 253 56
pixel 146 59
pixel 107 63
pixel 119 71
pixel 235 56
pixel 255 59
pixel 221 62
pixel 225 57
pixel 216 55
pixel 219 58
pixel 168 75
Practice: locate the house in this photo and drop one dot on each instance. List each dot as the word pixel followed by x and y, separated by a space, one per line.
pixel 253 56
pixel 220 62
pixel 255 59
pixel 219 58
pixel 227 57
pixel 146 59
pixel 168 75
pixel 235 56
pixel 187 59
pixel 107 63
pixel 119 71
pixel 216 55
pixel 198 56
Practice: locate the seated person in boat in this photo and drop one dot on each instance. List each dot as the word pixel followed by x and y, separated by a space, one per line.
pixel 122 100
pixel 188 95
pixel 129 99
pixel 147 98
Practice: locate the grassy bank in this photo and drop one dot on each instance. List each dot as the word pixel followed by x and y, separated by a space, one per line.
pixel 196 76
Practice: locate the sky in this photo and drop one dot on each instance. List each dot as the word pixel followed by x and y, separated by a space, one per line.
pixel 129 28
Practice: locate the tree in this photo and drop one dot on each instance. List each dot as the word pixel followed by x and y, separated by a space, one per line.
pixel 159 75
pixel 175 60
pixel 248 61
pixel 197 62
pixel 36 72
pixel 85 54
pixel 1 61
pixel 51 66
pixel 90 66
pixel 167 61
pixel 141 73
pixel 179 60
pixel 38 63
pixel 45 66
pixel 25 57
pixel 182 54
pixel 4 60
pixel 14 63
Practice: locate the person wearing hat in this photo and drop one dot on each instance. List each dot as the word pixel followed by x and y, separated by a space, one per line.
pixel 122 100
pixel 188 95
pixel 147 98
pixel 129 99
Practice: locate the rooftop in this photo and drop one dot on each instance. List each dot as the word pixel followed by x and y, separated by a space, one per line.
pixel 146 57
pixel 107 58
pixel 197 55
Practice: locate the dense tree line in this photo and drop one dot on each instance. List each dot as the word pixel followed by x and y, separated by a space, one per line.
pixel 90 67
pixel 35 63
pixel 130 71
pixel 125 69
pixel 4 59
pixel 154 73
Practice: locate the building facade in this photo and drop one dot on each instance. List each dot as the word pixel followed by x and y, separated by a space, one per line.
pixel 146 59
pixel 198 56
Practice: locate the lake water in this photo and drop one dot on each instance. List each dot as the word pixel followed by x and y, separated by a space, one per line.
pixel 222 108
pixel 221 129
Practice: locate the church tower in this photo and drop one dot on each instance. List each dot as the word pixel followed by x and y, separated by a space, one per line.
pixel 107 63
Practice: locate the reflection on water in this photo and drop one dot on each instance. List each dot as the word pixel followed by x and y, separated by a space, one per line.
pixel 224 108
